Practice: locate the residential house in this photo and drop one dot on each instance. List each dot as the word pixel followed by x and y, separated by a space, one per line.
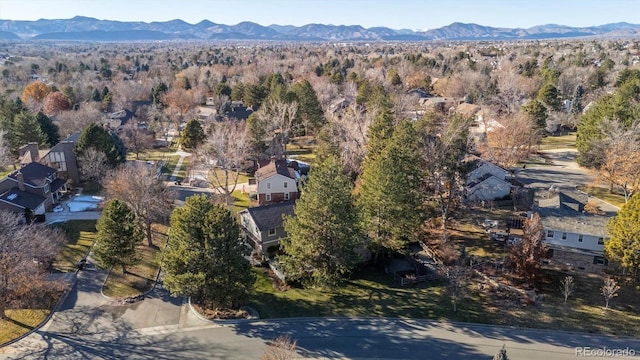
pixel 574 236
pixel 276 182
pixel 262 226
pixel 35 187
pixel 116 120
pixel 487 182
pixel 61 157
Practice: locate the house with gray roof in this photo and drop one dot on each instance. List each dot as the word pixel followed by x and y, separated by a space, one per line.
pixel 34 188
pixel 574 235
pixel 61 157
pixel 262 226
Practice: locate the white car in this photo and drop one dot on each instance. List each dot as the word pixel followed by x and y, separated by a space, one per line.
pixel 58 208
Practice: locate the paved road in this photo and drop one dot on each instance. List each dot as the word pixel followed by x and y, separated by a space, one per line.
pixel 563 171
pixel 90 326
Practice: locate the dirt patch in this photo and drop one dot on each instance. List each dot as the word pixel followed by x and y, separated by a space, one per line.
pixel 222 314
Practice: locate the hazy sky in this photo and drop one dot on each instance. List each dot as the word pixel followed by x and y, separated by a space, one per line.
pixel 397 14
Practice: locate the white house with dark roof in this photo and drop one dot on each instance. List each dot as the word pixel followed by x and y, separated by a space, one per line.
pixel 276 182
pixel 487 181
pixel 262 226
pixel 574 236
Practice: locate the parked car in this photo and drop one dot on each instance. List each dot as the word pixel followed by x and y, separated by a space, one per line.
pixel 58 208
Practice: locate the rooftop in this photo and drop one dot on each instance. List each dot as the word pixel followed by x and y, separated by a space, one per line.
pixel 270 216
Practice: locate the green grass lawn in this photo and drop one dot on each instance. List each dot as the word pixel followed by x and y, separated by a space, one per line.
pixel 240 202
pixel 20 322
pixel 371 292
pixel 603 193
pixel 242 177
pixel 80 235
pixel 141 277
pixel 558 142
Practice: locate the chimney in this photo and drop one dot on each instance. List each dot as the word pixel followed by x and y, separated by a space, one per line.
pixel 31 148
pixel 20 178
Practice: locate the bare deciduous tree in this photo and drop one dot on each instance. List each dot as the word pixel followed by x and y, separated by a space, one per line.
pixel 24 258
pixel 621 165
pixel 93 165
pixel 525 255
pixel 567 286
pixel 224 152
pixel 510 143
pixel 458 276
pixel 139 185
pixel 72 121
pixel 5 153
pixel 609 290
pixel 136 139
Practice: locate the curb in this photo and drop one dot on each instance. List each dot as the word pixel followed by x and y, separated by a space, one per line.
pixel 254 316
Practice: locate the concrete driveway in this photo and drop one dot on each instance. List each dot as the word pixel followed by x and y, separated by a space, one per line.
pixel 562 171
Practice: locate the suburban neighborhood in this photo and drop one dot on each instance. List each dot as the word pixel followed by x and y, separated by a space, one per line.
pixel 341 199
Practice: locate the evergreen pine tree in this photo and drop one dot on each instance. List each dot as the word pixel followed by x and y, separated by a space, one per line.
pixel 576 101
pixel 624 229
pixel 324 232
pixel 204 258
pixel 193 135
pixel 26 129
pixel 117 237
pixel 390 197
pixel 50 129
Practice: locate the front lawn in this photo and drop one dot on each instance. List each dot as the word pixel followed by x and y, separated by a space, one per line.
pixel 603 193
pixel 551 142
pixel 370 292
pixel 20 322
pixel 80 235
pixel 141 277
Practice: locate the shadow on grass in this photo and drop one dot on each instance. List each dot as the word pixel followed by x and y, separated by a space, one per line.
pixel 16 322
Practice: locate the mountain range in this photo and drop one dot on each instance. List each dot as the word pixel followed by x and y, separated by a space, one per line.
pixel 90 29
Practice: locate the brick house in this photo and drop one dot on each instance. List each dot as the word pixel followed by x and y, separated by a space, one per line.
pixel 276 182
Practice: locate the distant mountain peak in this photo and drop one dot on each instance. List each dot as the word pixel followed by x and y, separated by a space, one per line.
pixel 91 29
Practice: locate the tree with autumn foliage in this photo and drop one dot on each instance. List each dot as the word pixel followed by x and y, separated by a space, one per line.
pixel 35 92
pixel 55 102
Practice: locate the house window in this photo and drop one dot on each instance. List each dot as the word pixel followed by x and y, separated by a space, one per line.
pixel 46 188
pixel 600 241
pixel 600 260
pixel 272 232
pixel 286 196
pixel 550 234
pixel 268 197
pixel 564 236
pixel 268 185
pixel 286 184
pixel 580 238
